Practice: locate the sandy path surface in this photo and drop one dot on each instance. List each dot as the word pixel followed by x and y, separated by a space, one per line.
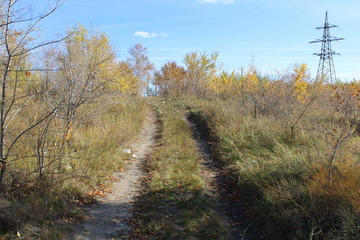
pixel 108 218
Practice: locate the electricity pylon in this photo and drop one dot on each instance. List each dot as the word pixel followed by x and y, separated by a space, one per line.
pixel 326 69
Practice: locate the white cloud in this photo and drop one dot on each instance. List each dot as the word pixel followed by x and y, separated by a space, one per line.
pixel 149 35
pixel 145 34
pixel 217 1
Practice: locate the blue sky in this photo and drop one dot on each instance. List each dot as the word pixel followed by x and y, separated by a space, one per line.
pixel 276 33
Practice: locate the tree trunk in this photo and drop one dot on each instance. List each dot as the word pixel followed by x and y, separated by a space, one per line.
pixel 2 173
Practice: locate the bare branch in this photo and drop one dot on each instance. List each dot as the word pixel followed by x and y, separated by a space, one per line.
pixel 40 46
pixel 29 128
pixel 17 111
pixel 32 27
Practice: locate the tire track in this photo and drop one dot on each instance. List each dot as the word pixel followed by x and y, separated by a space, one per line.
pixel 219 182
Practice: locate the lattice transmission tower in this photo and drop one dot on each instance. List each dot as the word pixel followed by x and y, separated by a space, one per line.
pixel 326 69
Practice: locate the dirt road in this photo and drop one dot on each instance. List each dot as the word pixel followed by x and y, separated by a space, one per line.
pixel 107 219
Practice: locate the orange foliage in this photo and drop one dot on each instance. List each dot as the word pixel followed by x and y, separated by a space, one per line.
pixel 97 192
pixel 345 182
pixel 171 79
pixel 68 135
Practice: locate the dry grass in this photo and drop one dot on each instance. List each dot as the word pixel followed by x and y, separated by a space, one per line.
pixel 40 206
pixel 175 204
pixel 285 179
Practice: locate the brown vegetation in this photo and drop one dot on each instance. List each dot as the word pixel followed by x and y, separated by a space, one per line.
pixel 293 143
pixel 64 122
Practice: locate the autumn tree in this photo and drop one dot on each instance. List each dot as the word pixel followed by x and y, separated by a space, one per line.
pixel 141 66
pixel 200 67
pixel 299 81
pixel 298 99
pixel 124 79
pixel 18 25
pixel 344 105
pixel 85 69
pixel 253 88
pixel 225 83
pixel 171 79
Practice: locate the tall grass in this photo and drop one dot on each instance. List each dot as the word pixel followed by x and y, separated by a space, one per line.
pixel 283 178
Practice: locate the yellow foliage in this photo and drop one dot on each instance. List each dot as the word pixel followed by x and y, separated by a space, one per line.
pixel 223 83
pixel 201 68
pixel 70 131
pixel 300 90
pixel 92 52
pixel 300 72
pixel 67 136
pixel 123 79
pixel 354 88
pixel 251 81
pixel 124 84
pixel 233 83
pixel 300 86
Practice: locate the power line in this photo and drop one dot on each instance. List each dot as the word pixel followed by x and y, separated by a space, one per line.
pixel 55 70
pixel 37 70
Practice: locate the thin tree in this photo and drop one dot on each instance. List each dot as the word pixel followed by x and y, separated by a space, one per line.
pixel 15 46
pixel 141 65
pixel 83 65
